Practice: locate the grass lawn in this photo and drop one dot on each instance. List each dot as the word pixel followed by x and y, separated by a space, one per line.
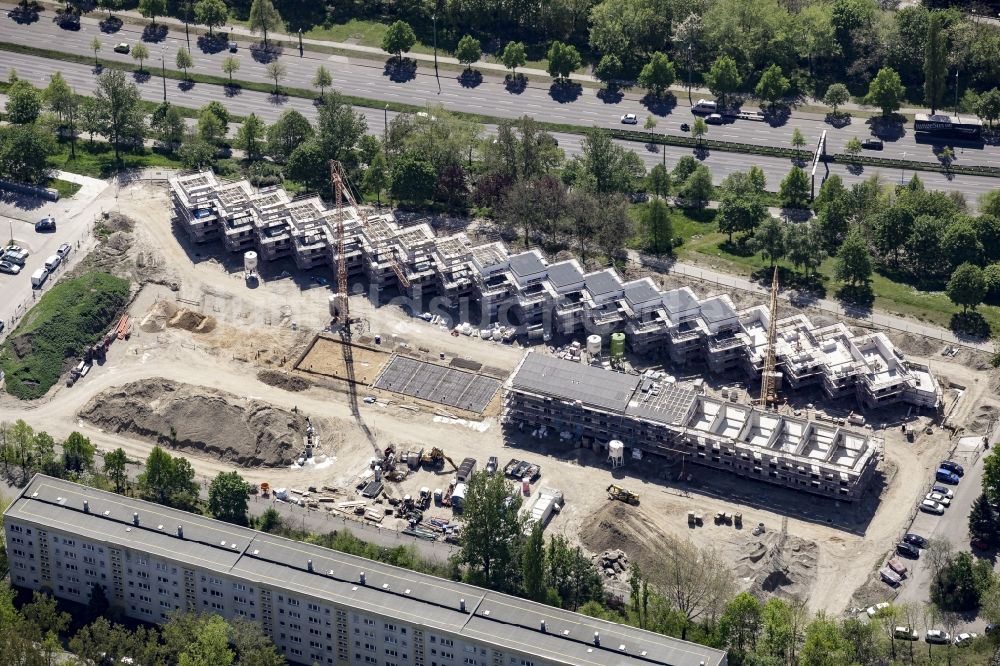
pixel 98 159
pixel 69 317
pixel 65 188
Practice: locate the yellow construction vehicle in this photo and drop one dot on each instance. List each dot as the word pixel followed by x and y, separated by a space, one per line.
pixel 622 494
pixel 436 458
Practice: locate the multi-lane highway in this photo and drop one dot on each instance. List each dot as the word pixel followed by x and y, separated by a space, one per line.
pixel 365 77
pixel 82 79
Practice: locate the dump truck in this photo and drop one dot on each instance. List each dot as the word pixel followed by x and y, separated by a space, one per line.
pixel 622 494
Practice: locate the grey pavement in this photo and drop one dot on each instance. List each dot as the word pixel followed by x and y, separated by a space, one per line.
pixel 366 77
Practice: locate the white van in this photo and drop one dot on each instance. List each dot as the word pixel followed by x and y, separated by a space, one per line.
pixel 38 278
pixel 52 262
pixel 705 106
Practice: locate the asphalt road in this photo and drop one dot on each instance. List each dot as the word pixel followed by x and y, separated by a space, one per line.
pixel 368 78
pixel 81 77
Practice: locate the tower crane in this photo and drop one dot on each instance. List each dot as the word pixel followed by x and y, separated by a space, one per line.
pixel 770 378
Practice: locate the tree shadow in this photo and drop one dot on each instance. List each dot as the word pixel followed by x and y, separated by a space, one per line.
pixel 610 95
pixel 659 105
pixel 565 92
pixel 701 152
pixel 232 89
pixel 141 76
pixel 739 247
pixel 970 325
pixel 97 69
pixel 265 54
pixel 652 147
pixel 67 20
pixel 277 98
pixel 515 84
pixel 838 120
pixel 470 78
pixel 400 70
pixel 887 128
pixel 859 296
pixel 855 169
pixel 776 115
pixel 212 44
pixel 185 85
pixel 810 286
pixel 110 25
pixel 24 15
pixel 154 33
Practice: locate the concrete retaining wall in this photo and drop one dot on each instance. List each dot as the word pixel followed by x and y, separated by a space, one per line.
pixel 46 193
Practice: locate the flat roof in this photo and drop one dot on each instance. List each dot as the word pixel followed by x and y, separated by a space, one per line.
pixel 679 300
pixel 716 309
pixel 574 381
pixel 510 623
pixel 564 273
pixel 602 282
pixel 661 402
pixel 526 263
pixel 641 291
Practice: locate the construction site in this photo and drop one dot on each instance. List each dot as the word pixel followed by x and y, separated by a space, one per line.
pixel 363 369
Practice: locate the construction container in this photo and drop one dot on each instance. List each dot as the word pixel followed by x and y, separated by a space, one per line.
pixel 617 345
pixel 593 344
pixel 249 261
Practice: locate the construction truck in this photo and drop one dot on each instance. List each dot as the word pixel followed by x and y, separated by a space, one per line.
pixel 435 458
pixel 616 492
pixel 265 489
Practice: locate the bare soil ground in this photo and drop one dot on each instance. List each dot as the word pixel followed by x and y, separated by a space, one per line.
pixel 326 357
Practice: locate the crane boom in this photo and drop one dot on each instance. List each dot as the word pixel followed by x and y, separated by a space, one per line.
pixel 337 180
pixel 769 378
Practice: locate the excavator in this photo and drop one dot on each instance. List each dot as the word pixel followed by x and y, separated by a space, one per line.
pixel 622 494
pixel 436 458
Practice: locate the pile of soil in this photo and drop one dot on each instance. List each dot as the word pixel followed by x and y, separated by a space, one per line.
pixel 248 433
pixel 283 380
pixel 787 574
pixel 620 526
pixel 117 222
pixel 158 316
pixel 918 345
pixel 984 416
pixel 192 321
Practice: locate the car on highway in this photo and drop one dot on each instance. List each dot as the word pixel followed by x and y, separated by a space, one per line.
pixel 233 47
pixel 915 540
pixel 9 268
pixel 46 224
pixel 937 636
pixel 873 610
pixel 630 119
pixel 952 467
pixel 905 634
pixel 685 127
pixel 908 550
pixel 979 544
pixel 64 250
pixel 930 506
pixel 947 492
pixel 965 638
pixel 939 498
pixel 714 119
pixel 945 476
pixel 872 144
pixel 122 47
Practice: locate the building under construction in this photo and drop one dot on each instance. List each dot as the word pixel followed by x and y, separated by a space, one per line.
pixel 548 298
pixel 655 417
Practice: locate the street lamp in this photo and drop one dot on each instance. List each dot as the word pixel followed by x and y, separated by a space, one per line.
pixel 434 18
pixel 385 126
pixel 902 169
pixel 187 19
pixel 163 73
pixel 300 42
pixel 956 90
pixel 689 73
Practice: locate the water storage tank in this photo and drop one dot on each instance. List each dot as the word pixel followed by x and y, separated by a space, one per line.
pixel 616 453
pixel 250 261
pixel 593 344
pixel 332 300
pixel 617 345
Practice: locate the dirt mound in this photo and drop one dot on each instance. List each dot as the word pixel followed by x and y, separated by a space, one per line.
pixel 283 380
pixel 192 321
pixel 248 433
pixel 618 526
pixel 783 570
pixel 918 345
pixel 117 222
pixel 158 316
pixel 984 417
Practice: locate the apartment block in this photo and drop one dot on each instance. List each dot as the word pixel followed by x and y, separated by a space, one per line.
pixel 318 605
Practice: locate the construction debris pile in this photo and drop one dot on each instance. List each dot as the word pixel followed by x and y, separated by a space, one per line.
pixel 613 564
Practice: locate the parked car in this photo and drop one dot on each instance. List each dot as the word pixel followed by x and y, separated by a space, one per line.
pixel 685 127
pixel 944 476
pixel 122 47
pixel 952 467
pixel 947 492
pixel 930 506
pixel 939 498
pixel 46 224
pixel 937 636
pixel 15 256
pixel 979 544
pixel 905 634
pixel 9 268
pixel 630 119
pixel 491 465
pixel 915 540
pixel 907 550
pixel 965 638
pixel 872 144
pixel 64 250
pixel 873 610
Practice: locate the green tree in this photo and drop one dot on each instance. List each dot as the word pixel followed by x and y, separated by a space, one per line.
pixel 924 246
pixel 988 106
pixel 836 95
pixel 960 243
pixel 114 468
pixel 95 46
pixel 533 564
pixel 891 229
pixel 741 623
pixel 513 56
pixel 152 8
pixel 167 125
pixel 563 60
pixel 210 646
pixel 167 480
pixel 609 168
pixel 853 146
pixel 140 53
pixel 308 165
pixel 398 39
pixel 699 129
pixel 322 80
pixel 227 498
pixel 824 644
pixel 798 139
pixel 935 61
pixel 263 17
pixel 685 167
pixel 693 580
pixel 804 246
pixel 184 60
pixel 59 97
pixel 230 65
pixel 649 126
pixel 967 287
pixel 723 78
pixel 468 51
pixel 413 178
pixel 659 180
pixel 854 264
pixel 211 13
pixel 78 453
pixel 769 239
pixel 110 5
pixel 794 191
pixel 339 129
pixel 116 106
pixel 772 86
pixel 377 176
pixel 210 128
pixel 276 71
pixel 659 226
pixel 697 189
pixel 252 646
pixel 609 69
pixel 658 74
pixel 983 520
pixel 991 476
pixel 287 132
pixel 492 531
pixel 24 103
pixel 741 205
pixel 251 136
pixel 885 91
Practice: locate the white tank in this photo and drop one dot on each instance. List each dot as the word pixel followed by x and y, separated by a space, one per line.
pixel 249 261
pixel 593 344
pixel 616 453
pixel 332 300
